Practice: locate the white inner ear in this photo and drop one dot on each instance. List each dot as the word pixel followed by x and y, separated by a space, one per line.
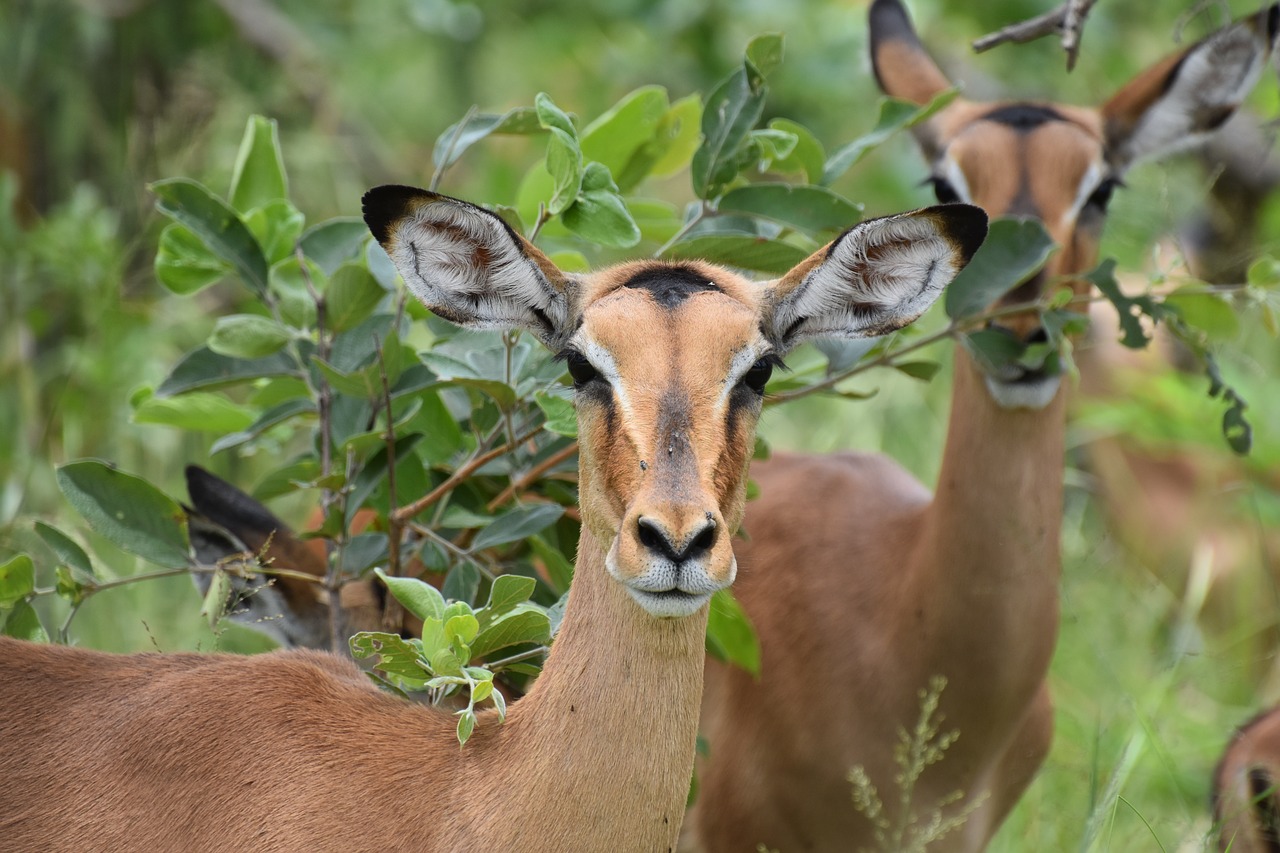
pixel 464 264
pixel 1216 75
pixel 877 278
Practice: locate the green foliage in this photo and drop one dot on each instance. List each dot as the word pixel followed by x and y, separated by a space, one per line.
pixel 456 638
pixel 1014 248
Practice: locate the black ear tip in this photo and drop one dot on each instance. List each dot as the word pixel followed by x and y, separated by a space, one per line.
pixel 967 225
pixel 1272 18
pixel 384 206
pixel 888 19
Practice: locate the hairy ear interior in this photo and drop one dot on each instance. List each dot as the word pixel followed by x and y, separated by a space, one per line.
pixel 467 265
pixel 1178 100
pixel 876 277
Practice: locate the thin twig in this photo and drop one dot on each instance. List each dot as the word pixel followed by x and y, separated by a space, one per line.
pixel 533 474
pixel 516 658
pixel 544 216
pixel 1066 20
pixel 462 473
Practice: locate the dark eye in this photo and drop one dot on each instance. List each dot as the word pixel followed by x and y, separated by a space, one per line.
pixel 758 376
pixel 1101 195
pixel 943 191
pixel 580 369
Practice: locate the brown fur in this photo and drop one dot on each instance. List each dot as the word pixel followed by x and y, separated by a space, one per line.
pixel 1245 801
pixel 896 585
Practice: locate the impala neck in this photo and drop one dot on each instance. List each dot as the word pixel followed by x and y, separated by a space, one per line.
pixel 989 559
pixel 610 725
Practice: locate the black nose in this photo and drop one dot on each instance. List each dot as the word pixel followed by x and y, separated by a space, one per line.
pixel 654 536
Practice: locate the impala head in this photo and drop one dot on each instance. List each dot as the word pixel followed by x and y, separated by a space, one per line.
pixel 1059 163
pixel 668 360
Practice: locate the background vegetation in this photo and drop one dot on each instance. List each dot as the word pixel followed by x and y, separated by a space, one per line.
pixel 98 98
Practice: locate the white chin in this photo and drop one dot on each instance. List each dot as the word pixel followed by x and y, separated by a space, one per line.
pixel 1025 394
pixel 673 604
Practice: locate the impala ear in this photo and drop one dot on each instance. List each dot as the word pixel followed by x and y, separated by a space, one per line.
pixel 1178 100
pixel 468 266
pixel 876 277
pixel 902 66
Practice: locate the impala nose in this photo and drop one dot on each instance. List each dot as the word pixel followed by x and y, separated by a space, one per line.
pixel 656 537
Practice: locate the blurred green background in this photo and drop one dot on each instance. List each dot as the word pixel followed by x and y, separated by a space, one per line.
pixel 100 97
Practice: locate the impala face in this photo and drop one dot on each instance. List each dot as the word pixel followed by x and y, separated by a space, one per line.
pixel 668 360
pixel 1058 163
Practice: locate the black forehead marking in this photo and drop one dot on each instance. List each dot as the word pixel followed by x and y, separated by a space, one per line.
pixel 671 285
pixel 1024 117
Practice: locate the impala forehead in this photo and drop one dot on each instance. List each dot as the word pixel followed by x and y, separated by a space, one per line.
pixel 1025 160
pixel 643 341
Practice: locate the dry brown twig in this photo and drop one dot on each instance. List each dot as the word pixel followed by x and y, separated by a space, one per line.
pixel 1067 19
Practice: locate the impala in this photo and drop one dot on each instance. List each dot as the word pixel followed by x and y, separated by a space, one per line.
pixel 1246 796
pixel 894 586
pixel 295 750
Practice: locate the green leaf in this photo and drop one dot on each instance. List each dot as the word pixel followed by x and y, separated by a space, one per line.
pixel 732 109
pixel 523 626
pixel 894 116
pixel 71 585
pixel 564 163
pixel 462 582
pixel 462 627
pixel 809 208
pixel 204 368
pixel 128 511
pixel 923 370
pixel 277 414
pixel 676 140
pixel 562 418
pixel 396 657
pixel 197 412
pixel 17 580
pixel 601 216
pixel 808 156
pixel 616 136
pixel 247 336
pixel 765 52
pixel 259 171
pixel 993 350
pixel 292 286
pixel 69 552
pixel 24 623
pixel 1015 248
pixel 210 219
pixel 461 135
pixel 559 569
pixel 740 250
pixel 1133 335
pixel 730 634
pixel 466 725
pixel 552 117
pixel 276 226
pixel 184 264
pixel 331 243
pixel 1264 272
pixel 1208 312
pixel 517 525
pixel 352 295
pixel 507 591
pixel 418 597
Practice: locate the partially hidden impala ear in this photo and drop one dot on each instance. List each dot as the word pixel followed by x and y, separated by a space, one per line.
pixel 1181 98
pixel 468 266
pixel 902 66
pixel 876 277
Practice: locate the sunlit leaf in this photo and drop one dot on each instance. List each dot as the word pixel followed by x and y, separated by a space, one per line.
pixel 247 336
pixel 214 222
pixel 259 175
pixel 461 135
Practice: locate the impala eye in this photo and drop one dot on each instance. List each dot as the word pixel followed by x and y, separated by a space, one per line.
pixel 943 191
pixel 1101 195
pixel 580 369
pixel 758 375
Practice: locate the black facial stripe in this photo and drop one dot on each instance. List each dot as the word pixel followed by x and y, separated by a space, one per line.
pixel 671 285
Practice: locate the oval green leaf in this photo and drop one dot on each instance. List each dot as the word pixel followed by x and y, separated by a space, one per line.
pixel 128 511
